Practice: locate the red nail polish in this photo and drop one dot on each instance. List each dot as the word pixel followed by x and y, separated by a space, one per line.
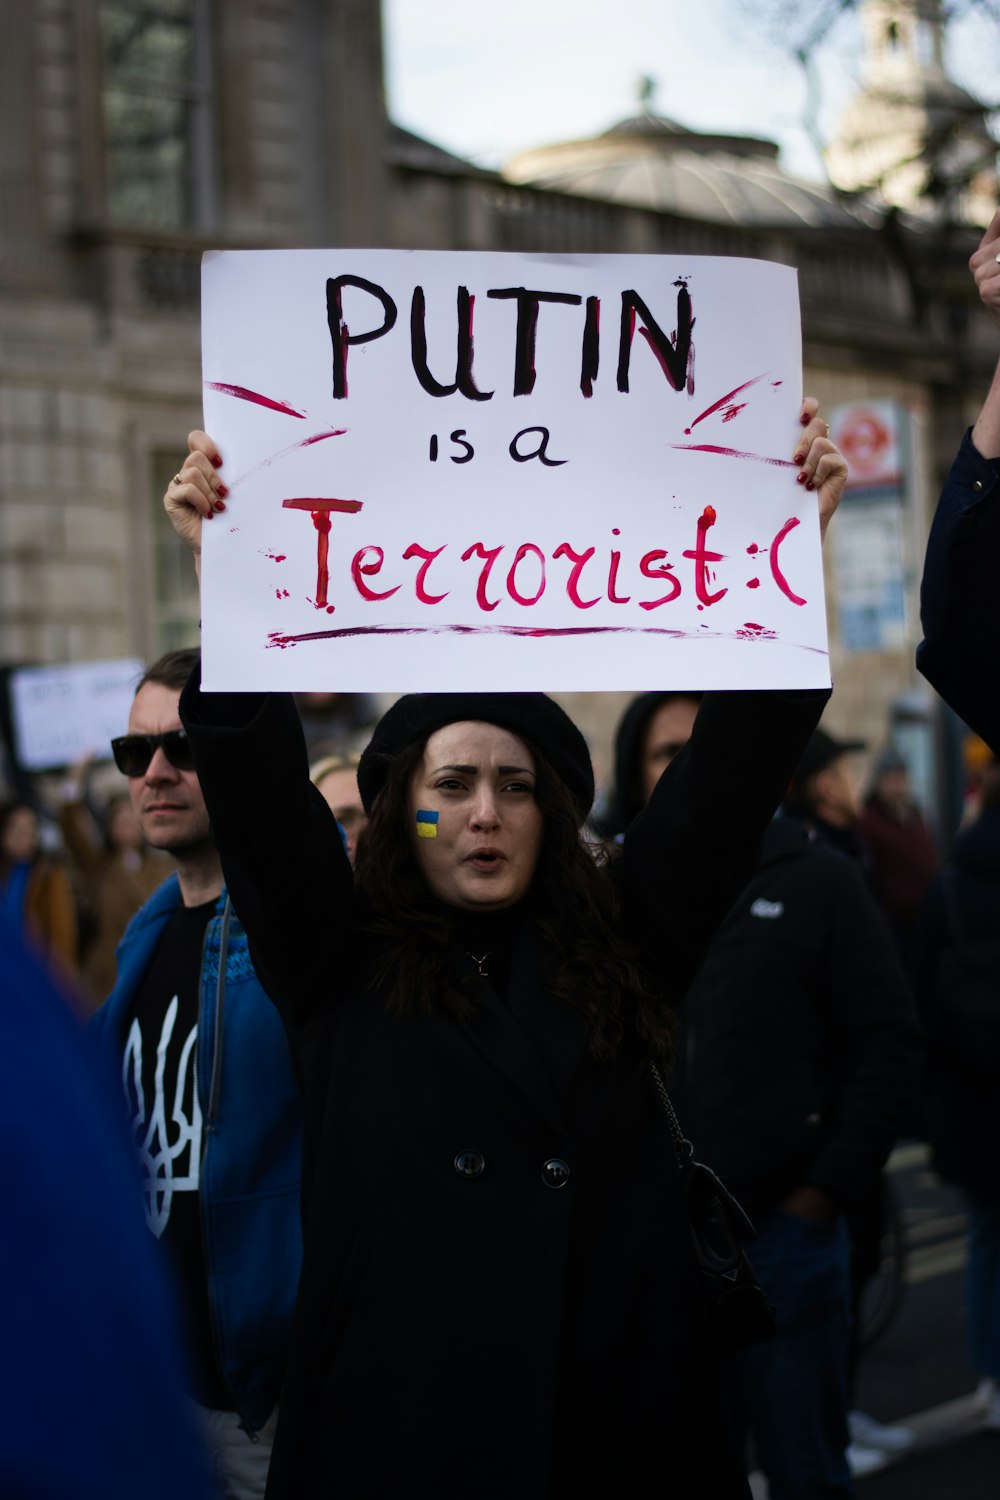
pixel 216 461
pixel 219 505
pixel 799 458
pixel 810 485
pixel 805 419
pixel 801 478
pixel 220 489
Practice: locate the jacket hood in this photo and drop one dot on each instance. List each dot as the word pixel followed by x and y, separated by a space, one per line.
pixel 627 800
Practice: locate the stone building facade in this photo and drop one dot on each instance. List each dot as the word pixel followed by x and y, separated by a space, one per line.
pixel 129 143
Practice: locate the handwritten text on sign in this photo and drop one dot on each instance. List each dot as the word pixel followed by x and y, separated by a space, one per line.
pixel 451 469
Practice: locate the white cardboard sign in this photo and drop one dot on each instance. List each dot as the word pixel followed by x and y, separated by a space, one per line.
pixel 62 714
pixel 450 470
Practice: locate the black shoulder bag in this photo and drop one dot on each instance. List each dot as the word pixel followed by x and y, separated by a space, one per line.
pixel 740 1312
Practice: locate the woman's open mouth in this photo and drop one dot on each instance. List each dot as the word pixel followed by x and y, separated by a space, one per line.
pixel 485 859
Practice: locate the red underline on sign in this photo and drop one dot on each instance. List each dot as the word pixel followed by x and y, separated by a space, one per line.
pixel 278 639
pixel 242 394
pixel 757 458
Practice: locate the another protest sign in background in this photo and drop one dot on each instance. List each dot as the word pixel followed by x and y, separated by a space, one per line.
pixel 61 714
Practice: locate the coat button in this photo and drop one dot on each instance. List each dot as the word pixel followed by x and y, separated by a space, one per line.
pixel 977 485
pixel 555 1173
pixel 469 1163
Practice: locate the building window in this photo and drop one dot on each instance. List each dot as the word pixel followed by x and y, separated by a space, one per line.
pixel 157 102
pixel 176 607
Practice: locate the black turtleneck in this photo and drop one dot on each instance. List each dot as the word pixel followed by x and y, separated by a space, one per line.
pixel 488 936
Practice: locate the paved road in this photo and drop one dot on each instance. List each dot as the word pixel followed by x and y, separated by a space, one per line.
pixel 917 1372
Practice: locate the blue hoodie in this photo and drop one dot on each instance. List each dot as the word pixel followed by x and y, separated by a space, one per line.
pixel 251 1146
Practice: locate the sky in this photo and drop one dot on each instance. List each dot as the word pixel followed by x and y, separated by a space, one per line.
pixel 485 80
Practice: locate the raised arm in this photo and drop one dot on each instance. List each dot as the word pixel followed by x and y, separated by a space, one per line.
pixel 282 855
pixel 985 268
pixel 694 847
pixel 959 601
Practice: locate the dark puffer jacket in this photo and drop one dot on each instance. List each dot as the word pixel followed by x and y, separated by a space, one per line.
pixel 800 1053
pixel 957 981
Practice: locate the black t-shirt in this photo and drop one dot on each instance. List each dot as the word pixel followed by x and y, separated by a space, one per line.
pixel 158 1074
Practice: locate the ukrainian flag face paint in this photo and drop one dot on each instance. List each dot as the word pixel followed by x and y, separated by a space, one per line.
pixel 427 824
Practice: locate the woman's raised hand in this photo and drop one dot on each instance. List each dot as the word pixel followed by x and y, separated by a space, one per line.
pixel 985 267
pixel 196 493
pixel 821 465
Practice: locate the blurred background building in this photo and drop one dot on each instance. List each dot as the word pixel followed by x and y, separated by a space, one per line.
pixel 135 136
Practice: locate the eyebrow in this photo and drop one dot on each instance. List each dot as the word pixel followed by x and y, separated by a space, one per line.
pixel 474 770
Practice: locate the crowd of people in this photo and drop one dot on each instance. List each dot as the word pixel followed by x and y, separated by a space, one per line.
pixel 387 1007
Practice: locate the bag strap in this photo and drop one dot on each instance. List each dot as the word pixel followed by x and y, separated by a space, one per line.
pixel 696 1178
pixel 685 1150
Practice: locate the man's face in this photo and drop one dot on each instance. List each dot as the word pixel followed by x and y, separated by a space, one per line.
pixel 167 802
pixel 837 792
pixel 667 732
pixel 340 790
pixel 893 788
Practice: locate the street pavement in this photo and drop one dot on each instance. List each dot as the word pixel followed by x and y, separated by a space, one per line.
pixel 916 1374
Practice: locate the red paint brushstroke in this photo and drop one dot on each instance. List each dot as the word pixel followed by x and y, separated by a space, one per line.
pixel 776 572
pixel 724 401
pixel 265 463
pixel 323 503
pixel 242 394
pixel 320 437
pixel 753 632
pixel 757 458
pixel 320 508
pixel 278 640
pixel 274 556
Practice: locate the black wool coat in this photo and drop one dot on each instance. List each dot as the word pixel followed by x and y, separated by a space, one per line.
pixel 498 1297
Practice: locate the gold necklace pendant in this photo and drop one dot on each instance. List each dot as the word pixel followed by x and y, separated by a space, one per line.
pixel 479 962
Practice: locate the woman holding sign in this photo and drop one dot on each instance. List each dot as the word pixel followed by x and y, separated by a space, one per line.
pixel 499 1300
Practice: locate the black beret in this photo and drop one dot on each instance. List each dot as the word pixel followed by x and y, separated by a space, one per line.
pixel 532 716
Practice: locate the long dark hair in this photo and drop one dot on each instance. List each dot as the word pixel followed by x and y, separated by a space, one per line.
pixel 595 967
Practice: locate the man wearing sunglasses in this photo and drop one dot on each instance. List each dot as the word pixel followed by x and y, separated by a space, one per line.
pixel 212 1101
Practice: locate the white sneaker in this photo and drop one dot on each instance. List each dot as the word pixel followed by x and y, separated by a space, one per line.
pixel 863 1461
pixel 867 1433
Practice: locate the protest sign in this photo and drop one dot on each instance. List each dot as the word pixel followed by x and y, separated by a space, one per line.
pixel 450 470
pixel 61 714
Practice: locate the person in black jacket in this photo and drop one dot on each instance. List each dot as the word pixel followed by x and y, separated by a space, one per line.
pixel 957 981
pixel 797 1056
pixel 499 1297
pixel 960 652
